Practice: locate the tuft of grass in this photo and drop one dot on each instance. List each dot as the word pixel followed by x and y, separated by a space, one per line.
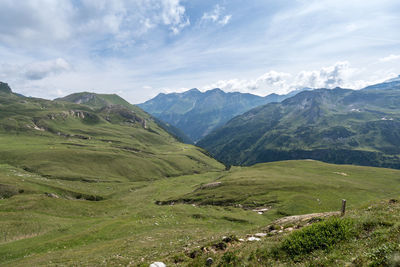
pixel 230 259
pixel 322 235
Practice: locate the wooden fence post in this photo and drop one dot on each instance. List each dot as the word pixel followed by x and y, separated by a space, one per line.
pixel 343 206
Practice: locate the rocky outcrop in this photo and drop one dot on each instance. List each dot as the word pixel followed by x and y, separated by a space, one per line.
pixel 4 88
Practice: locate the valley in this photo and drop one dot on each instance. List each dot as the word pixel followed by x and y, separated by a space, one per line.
pixel 43 223
pixel 93 180
pixel 161 133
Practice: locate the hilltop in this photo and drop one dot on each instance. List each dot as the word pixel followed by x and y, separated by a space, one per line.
pixel 103 100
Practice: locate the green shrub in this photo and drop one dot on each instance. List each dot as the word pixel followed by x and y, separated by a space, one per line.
pixel 321 235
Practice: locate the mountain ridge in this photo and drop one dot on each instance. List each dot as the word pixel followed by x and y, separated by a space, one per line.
pixel 333 125
pixel 197 113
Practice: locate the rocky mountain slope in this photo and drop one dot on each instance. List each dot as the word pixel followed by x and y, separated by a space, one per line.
pixel 102 100
pixel 339 126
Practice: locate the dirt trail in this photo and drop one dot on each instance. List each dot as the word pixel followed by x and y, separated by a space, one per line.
pixel 305 217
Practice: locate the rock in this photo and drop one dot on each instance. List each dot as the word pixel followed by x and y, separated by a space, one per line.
pixel 252 238
pixel 220 246
pixel 211 185
pixel 52 195
pixel 241 240
pixel 209 261
pixel 261 210
pixel 228 239
pixel 289 229
pixel 158 264
pixel 260 234
pixel 5 88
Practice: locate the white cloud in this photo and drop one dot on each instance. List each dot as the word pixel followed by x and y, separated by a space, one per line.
pixel 216 16
pixel 39 22
pixel 328 77
pixel 338 75
pixel 173 15
pixel 21 21
pixel 40 70
pixel 390 58
pixel 35 70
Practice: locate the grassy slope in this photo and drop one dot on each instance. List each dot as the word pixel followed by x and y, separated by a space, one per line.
pixel 110 144
pixel 37 229
pixel 128 226
pixel 372 238
pixel 297 187
pixel 100 100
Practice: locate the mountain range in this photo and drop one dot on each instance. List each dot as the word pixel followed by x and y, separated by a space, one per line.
pixel 333 125
pixel 91 180
pixel 198 113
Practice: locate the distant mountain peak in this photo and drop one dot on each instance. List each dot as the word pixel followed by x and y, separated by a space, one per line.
pixel 194 91
pixel 197 113
pixel 395 79
pixel 393 83
pixel 5 88
pixel 215 90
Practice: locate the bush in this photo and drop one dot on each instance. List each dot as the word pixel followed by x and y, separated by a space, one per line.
pixel 321 235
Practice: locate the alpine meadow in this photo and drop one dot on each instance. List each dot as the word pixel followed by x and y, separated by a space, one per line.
pixel 199 133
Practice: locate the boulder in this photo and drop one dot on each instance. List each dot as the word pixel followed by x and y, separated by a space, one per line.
pixel 209 261
pixel 252 238
pixel 52 195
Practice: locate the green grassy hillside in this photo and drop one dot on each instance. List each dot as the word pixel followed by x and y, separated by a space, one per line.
pixel 102 100
pixel 93 143
pixel 338 126
pixel 296 187
pixel 47 221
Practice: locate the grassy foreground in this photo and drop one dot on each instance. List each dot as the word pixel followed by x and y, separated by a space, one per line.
pixel 366 236
pixel 42 222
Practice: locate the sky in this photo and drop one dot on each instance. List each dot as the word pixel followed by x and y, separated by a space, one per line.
pixel 139 48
